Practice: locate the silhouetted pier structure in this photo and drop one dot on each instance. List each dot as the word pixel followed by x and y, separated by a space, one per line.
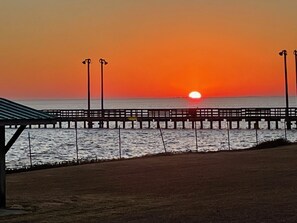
pixel 201 118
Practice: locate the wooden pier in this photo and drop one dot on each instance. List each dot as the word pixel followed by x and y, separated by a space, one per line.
pixel 202 118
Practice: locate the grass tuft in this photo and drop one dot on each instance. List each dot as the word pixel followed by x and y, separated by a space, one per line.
pixel 273 143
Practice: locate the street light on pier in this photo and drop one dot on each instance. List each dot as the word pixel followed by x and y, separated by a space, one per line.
pixel 102 62
pixel 88 61
pixel 295 53
pixel 284 53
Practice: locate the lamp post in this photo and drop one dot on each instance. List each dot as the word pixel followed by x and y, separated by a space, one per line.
pixel 284 53
pixel 102 62
pixel 295 53
pixel 88 61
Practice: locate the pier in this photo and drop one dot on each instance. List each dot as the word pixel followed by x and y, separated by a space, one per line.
pixel 202 118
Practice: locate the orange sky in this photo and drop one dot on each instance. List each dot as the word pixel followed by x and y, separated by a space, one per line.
pixel 156 48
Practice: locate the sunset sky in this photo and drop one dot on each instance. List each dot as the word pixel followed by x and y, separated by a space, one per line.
pixel 155 48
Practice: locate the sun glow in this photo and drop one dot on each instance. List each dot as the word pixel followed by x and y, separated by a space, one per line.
pixel 195 95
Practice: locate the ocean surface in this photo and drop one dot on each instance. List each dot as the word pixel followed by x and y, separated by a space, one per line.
pixel 236 102
pixel 58 145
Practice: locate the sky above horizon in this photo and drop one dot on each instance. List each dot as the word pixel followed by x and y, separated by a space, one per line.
pixel 156 48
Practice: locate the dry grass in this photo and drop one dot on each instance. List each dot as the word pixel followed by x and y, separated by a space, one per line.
pixel 246 186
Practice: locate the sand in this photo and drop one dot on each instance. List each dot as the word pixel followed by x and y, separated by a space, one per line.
pixel 244 186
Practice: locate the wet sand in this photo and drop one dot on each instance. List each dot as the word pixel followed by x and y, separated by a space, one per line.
pixel 243 186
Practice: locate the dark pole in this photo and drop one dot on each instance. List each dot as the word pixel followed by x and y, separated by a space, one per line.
pixel 284 53
pixel 102 62
pixel 88 61
pixel 295 53
pixel 102 113
pixel 2 168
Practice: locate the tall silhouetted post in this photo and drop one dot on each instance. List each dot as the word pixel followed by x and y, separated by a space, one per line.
pixel 102 62
pixel 284 53
pixel 2 168
pixel 88 61
pixel 295 53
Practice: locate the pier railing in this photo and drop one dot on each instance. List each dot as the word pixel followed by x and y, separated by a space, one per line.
pixel 186 113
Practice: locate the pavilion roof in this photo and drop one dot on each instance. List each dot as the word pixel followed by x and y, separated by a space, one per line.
pixel 12 113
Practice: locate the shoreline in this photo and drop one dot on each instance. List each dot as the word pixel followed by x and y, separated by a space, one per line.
pixel 264 145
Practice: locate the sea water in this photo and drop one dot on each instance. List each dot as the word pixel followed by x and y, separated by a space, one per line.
pixel 58 145
pixel 231 102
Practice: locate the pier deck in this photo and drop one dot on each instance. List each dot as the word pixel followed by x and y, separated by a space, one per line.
pixel 174 118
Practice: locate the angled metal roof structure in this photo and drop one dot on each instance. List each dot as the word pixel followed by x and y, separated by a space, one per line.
pixel 12 113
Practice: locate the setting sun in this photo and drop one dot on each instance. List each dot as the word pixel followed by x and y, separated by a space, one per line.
pixel 195 95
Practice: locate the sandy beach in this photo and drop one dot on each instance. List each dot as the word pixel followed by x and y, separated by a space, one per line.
pixel 243 186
